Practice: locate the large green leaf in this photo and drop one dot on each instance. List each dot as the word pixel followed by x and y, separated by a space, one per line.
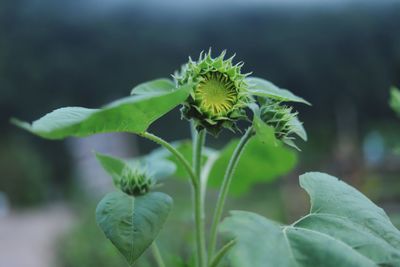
pixel 131 114
pixel 154 87
pixel 157 168
pixel 132 223
pixel 261 161
pixel 343 228
pixel 264 88
pixel 395 99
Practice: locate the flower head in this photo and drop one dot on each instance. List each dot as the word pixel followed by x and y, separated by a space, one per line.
pixel 219 93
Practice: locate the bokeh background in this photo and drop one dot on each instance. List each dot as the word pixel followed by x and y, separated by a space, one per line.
pixel 342 56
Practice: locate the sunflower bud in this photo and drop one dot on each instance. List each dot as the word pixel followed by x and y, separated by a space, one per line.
pixel 283 120
pixel 219 93
pixel 135 181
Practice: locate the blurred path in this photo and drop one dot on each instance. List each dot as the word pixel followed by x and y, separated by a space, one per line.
pixel 27 238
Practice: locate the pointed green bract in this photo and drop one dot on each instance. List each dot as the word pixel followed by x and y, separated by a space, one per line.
pixel 264 88
pixel 132 223
pixel 344 228
pixel 132 114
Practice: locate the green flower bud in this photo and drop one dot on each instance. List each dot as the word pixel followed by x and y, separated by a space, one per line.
pixel 135 181
pixel 219 93
pixel 280 117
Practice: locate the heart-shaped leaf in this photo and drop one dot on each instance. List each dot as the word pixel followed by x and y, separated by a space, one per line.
pixel 132 223
pixel 264 88
pixel 343 228
pixel 132 114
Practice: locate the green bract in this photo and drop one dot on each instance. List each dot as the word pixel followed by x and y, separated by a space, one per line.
pixel 219 93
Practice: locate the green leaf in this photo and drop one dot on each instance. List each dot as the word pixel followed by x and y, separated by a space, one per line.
pixel 395 100
pixel 132 114
pixel 260 162
pixel 157 168
pixel 343 228
pixel 264 88
pixel 132 223
pixel 154 87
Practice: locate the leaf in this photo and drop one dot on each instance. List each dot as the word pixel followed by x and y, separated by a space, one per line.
pixel 260 162
pixel 395 100
pixel 264 88
pixel 343 228
pixel 159 169
pixel 154 87
pixel 132 223
pixel 132 114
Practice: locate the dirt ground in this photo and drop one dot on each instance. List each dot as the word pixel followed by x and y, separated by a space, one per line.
pixel 27 238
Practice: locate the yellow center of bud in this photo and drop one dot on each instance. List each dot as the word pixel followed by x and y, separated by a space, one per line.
pixel 216 94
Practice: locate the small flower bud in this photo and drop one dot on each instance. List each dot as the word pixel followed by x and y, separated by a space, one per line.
pixel 283 120
pixel 135 181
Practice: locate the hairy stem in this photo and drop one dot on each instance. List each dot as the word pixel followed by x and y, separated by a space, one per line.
pixel 175 152
pixel 157 255
pixel 199 139
pixel 225 188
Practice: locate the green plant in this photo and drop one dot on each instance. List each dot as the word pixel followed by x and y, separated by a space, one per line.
pixel 344 228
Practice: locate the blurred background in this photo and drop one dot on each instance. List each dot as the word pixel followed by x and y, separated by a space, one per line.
pixel 342 56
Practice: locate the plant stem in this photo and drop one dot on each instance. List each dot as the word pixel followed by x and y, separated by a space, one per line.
pixel 175 152
pixel 221 253
pixel 157 255
pixel 225 188
pixel 198 143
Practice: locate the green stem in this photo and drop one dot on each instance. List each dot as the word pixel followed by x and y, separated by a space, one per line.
pixel 225 188
pixel 175 152
pixel 199 139
pixel 157 255
pixel 221 253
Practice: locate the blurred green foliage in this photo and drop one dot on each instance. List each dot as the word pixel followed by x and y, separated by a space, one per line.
pixel 25 175
pixel 395 100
